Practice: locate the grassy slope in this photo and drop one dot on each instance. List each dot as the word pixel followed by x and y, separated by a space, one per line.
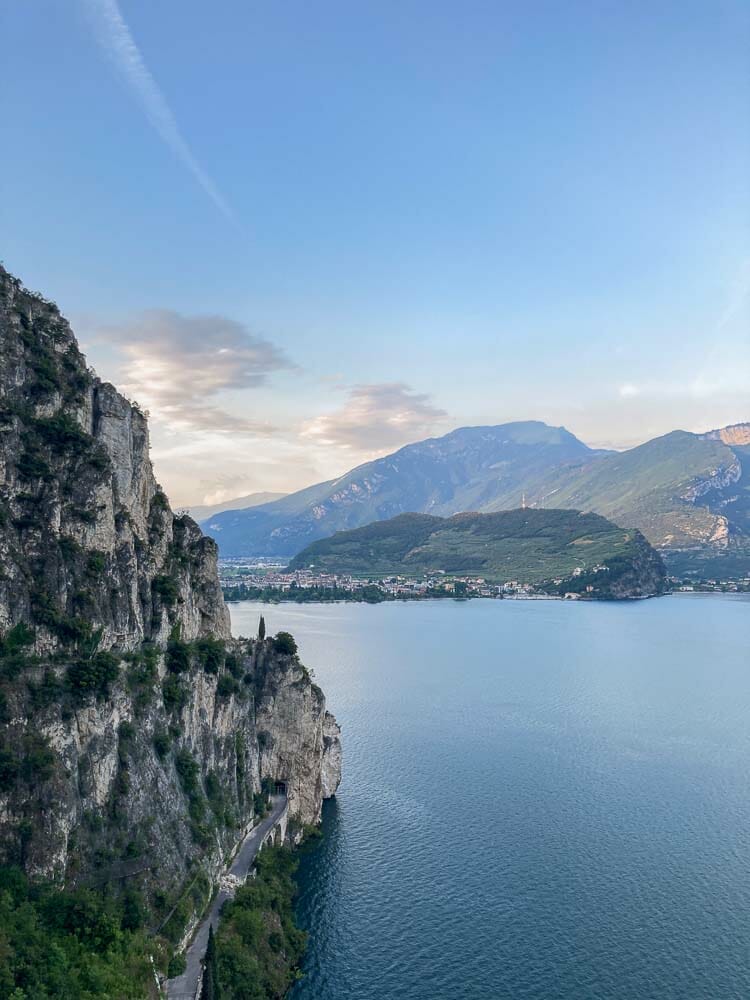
pixel 527 545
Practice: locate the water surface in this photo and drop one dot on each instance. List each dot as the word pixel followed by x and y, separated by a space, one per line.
pixel 541 800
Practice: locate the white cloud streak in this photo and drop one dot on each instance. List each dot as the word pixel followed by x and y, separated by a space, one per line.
pixel 115 38
pixel 178 365
pixel 375 418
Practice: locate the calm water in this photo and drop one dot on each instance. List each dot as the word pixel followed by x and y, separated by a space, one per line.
pixel 541 800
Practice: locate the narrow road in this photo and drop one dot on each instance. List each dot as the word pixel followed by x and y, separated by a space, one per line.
pixel 184 987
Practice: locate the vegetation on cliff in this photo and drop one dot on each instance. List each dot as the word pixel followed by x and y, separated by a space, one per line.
pixel 138 740
pixel 259 947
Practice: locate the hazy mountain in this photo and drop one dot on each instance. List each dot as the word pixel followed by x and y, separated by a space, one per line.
pixel 201 512
pixel 688 493
pixel 531 546
pixel 467 469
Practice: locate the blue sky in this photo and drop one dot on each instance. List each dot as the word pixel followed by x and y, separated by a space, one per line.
pixel 304 234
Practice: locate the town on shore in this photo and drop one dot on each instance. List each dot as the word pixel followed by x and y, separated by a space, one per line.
pixel 266 580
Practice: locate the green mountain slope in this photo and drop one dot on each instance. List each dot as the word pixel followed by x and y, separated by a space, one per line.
pixel 531 546
pixel 464 470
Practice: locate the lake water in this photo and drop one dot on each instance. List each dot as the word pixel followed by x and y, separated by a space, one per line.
pixel 541 800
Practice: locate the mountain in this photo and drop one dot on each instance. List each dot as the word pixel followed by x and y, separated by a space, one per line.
pixel 530 546
pixel 689 494
pixel 138 739
pixel 464 470
pixel 202 512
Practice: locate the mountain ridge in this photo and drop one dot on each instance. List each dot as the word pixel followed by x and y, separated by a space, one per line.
pixel 688 493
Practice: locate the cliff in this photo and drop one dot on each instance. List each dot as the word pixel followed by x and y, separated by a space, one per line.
pixel 136 736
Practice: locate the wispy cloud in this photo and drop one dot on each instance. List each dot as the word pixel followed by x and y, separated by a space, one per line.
pixel 115 38
pixel 375 418
pixel 177 366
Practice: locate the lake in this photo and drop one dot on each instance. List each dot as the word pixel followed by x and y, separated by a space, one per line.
pixel 541 800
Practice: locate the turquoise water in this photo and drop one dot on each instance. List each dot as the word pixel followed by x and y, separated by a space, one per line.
pixel 541 800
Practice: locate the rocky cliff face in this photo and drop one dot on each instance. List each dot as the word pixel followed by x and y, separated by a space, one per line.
pixel 87 535
pixel 135 733
pixel 738 434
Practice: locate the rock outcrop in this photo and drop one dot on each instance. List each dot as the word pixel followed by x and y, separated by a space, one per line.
pixel 137 738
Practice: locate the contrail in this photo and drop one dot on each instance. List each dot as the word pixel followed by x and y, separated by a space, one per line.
pixel 113 34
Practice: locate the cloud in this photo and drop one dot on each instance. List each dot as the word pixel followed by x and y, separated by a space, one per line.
pixel 376 418
pixel 629 390
pixel 175 365
pixel 113 34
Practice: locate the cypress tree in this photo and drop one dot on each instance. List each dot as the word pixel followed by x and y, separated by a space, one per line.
pixel 210 989
pixel 262 628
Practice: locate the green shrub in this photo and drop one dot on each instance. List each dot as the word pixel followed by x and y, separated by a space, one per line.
pixel 234 665
pixel 48 692
pixel 69 547
pixel 94 674
pixel 177 965
pixel 31 466
pixel 159 502
pixel 63 434
pixel 284 644
pixel 178 656
pixel 95 563
pixel 174 693
pixel 211 654
pixel 166 589
pixel 29 760
pixel 17 638
pixel 226 686
pixel 162 743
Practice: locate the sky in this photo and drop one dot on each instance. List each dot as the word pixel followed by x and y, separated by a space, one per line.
pixel 303 235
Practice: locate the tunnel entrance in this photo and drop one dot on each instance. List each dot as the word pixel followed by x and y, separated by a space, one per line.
pixel 280 788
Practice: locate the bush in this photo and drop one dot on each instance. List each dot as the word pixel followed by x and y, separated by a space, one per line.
pixel 95 674
pixel 62 434
pixel 284 644
pixel 174 693
pixel 29 760
pixel 95 564
pixel 211 654
pixel 177 965
pixel 162 743
pixel 31 466
pixel 159 502
pixel 16 639
pixel 227 686
pixel 178 656
pixel 165 588
pixel 234 665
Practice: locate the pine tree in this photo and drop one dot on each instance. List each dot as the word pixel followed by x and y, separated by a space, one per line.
pixel 262 628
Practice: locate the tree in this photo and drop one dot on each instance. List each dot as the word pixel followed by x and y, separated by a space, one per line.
pixel 210 989
pixel 262 628
pixel 284 643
